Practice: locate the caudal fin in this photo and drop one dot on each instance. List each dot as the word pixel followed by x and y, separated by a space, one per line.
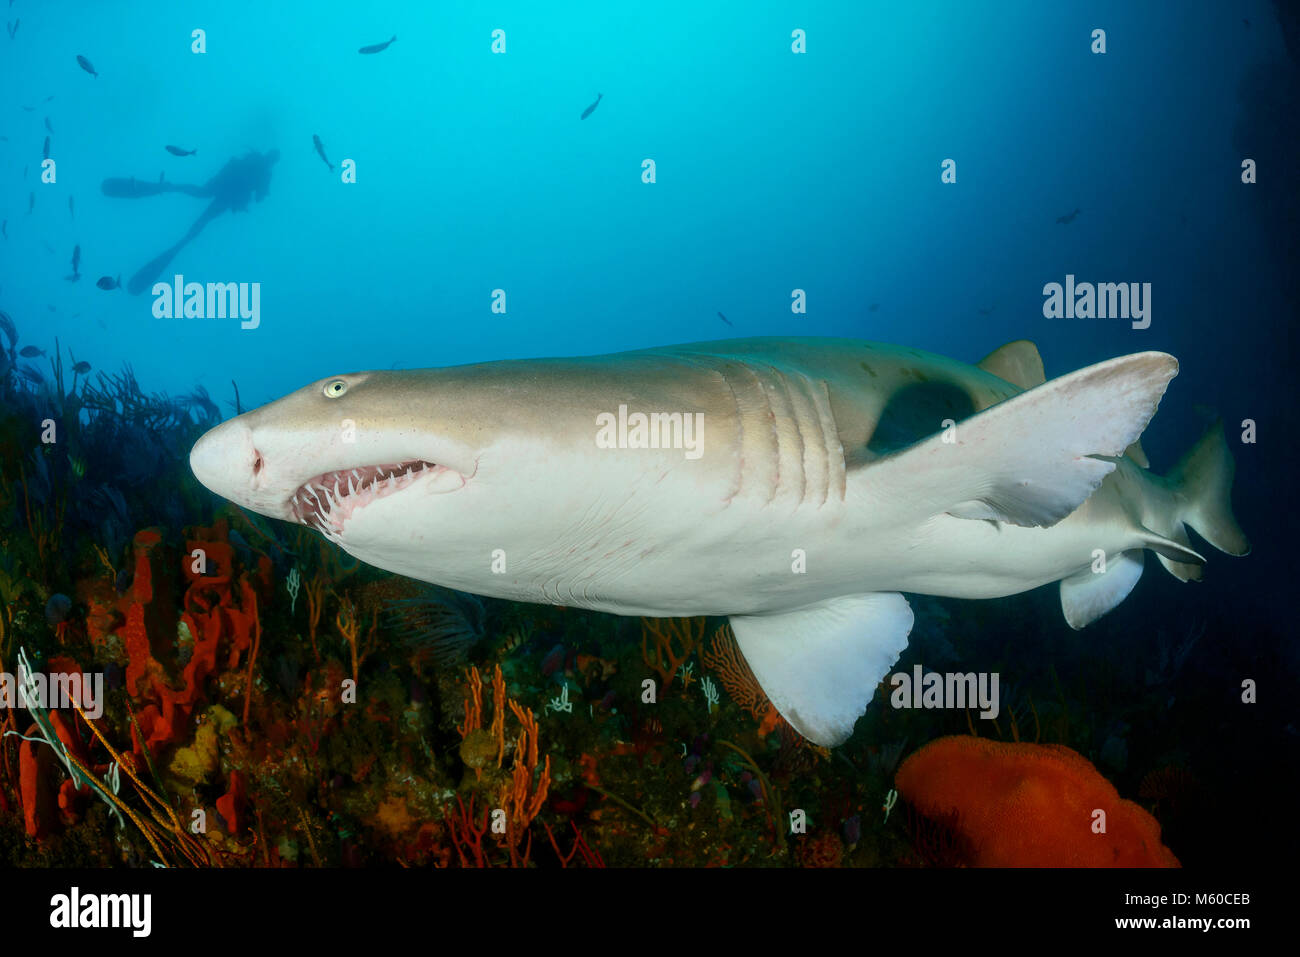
pixel 1202 488
pixel 1203 479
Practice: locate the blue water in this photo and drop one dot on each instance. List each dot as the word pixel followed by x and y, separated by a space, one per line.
pixel 775 171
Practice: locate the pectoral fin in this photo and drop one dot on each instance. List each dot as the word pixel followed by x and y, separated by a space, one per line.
pixel 1032 459
pixel 820 664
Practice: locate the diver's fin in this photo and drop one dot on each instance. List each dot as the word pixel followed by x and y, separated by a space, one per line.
pixel 127 187
pixel 820 664
pixel 1087 596
pixel 150 271
pixel 1032 459
pixel 1017 362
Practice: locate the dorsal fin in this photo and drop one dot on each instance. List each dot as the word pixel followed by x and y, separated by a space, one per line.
pixel 1017 362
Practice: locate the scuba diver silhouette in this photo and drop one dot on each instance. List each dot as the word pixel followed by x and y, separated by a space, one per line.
pixel 242 179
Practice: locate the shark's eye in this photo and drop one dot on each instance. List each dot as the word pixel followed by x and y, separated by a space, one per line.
pixel 335 389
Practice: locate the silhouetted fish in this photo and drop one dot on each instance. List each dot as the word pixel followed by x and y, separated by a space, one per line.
pixel 87 66
pixel 30 352
pixel 109 283
pixel 589 110
pixel 320 149
pixel 725 319
pixel 47 125
pixel 177 151
pixel 82 367
pixel 377 47
pixel 1068 217
pixel 76 258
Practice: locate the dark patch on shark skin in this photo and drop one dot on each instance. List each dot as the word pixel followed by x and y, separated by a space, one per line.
pixel 913 413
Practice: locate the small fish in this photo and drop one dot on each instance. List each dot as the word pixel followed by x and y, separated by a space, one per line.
pixel 76 258
pixel 81 368
pixel 31 202
pixel 87 66
pixel 29 109
pixel 109 283
pixel 49 98
pixel 320 149
pixel 591 109
pixel 1068 217
pixel 377 47
pixel 875 307
pixel 725 319
pixel 988 311
pixel 177 151
pixel 47 148
pixel 30 352
pixel 48 128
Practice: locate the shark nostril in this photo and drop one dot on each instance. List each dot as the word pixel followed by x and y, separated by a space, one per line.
pixel 257 463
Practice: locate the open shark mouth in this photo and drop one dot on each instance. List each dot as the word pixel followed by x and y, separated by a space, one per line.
pixel 329 500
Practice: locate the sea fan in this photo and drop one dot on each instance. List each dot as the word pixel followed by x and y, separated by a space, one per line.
pixel 441 624
pixel 9 329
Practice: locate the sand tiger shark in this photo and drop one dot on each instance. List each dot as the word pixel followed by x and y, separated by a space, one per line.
pixel 826 478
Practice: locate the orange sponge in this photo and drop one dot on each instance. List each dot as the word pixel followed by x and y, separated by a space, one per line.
pixel 1030 805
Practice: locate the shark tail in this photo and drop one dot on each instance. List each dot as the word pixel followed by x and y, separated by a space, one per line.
pixel 1202 491
pixel 1195 494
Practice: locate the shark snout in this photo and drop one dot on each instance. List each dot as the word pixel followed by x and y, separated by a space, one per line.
pixel 227 461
